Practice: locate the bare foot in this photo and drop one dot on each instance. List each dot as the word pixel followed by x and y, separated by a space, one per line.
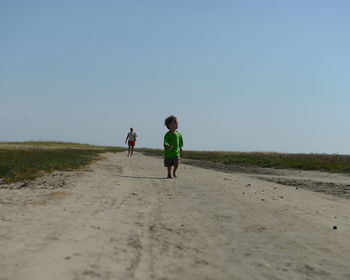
pixel 169 176
pixel 174 175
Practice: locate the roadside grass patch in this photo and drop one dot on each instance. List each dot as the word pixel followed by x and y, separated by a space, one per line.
pixel 25 161
pixel 320 162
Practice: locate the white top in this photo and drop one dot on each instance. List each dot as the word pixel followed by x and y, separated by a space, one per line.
pixel 132 136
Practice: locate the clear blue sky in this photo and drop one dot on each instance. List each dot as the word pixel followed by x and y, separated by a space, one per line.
pixel 241 75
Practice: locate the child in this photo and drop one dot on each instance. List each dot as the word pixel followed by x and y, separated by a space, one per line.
pixel 172 146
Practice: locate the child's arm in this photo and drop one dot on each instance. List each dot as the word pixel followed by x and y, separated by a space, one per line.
pixel 181 143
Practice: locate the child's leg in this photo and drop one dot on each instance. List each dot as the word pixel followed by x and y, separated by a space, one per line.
pixel 169 171
pixel 174 170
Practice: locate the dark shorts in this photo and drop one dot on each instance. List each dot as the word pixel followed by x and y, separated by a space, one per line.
pixel 171 161
pixel 131 143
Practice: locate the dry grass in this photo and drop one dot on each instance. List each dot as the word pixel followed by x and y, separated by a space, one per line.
pixel 26 160
pixel 321 162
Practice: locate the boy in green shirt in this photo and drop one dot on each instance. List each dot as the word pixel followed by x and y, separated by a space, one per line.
pixel 172 146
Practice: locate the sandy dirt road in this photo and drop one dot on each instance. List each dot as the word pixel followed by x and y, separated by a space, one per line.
pixel 120 219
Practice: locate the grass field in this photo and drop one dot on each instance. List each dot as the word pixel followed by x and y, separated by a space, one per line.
pixel 321 162
pixel 26 160
pixel 49 145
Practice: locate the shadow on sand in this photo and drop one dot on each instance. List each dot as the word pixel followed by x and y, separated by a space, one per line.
pixel 143 177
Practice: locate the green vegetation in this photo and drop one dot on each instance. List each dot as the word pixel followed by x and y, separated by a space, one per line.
pixel 49 145
pixel 26 160
pixel 321 162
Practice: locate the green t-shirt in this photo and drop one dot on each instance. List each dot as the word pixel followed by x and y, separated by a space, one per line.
pixel 173 139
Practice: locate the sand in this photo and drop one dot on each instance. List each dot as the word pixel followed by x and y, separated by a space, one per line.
pixel 121 219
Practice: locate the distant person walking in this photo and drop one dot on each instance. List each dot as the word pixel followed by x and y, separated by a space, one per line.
pixel 173 144
pixel 131 139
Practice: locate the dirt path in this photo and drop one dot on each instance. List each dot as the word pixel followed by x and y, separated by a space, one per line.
pixel 122 220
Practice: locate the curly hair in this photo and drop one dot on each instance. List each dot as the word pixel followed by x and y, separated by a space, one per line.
pixel 168 120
